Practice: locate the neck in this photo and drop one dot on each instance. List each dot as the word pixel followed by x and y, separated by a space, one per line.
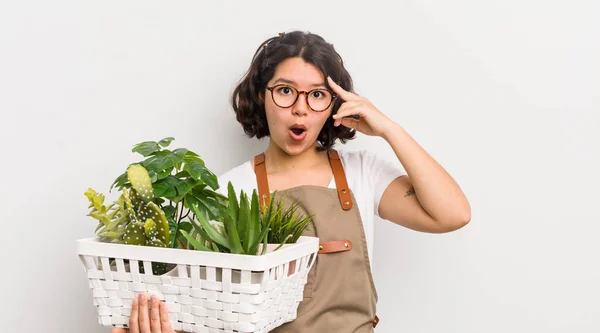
pixel 279 161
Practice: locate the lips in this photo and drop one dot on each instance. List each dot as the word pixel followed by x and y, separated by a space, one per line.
pixel 298 132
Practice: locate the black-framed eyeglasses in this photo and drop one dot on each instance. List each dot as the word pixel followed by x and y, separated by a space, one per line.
pixel 285 96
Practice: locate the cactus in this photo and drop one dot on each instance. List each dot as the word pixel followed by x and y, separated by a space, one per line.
pixel 141 207
pixel 140 180
pixel 133 219
pixel 134 234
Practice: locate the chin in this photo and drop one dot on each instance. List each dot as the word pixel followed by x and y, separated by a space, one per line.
pixel 296 149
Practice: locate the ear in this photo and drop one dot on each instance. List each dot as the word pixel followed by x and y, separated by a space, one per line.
pixel 261 96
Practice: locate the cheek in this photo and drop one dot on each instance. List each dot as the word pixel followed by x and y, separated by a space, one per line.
pixel 272 114
pixel 323 118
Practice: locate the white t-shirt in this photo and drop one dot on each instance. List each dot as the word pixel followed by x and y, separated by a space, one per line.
pixel 368 177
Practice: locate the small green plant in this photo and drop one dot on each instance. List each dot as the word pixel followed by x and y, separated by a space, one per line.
pixel 246 226
pixel 287 224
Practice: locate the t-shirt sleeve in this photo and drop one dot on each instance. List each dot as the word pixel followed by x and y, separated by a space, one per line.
pixel 379 174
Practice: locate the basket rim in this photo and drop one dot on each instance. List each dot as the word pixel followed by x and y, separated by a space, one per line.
pixel 305 246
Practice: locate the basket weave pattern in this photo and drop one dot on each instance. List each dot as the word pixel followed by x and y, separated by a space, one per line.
pixel 202 297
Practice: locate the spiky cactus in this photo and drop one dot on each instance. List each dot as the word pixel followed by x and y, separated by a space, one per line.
pixel 149 225
pixel 133 219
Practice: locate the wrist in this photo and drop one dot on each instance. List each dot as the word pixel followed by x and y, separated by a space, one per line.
pixel 392 130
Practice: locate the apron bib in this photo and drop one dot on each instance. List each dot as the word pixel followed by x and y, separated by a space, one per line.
pixel 340 295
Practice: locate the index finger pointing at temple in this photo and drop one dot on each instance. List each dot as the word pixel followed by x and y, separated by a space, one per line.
pixel 345 95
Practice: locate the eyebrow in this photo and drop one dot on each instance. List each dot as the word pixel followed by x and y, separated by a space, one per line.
pixel 282 80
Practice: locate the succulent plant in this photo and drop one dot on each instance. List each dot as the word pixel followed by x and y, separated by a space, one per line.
pixel 287 224
pixel 246 227
pixel 112 219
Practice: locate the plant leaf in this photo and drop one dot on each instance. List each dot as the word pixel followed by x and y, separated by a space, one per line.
pixel 194 168
pixel 243 222
pixel 234 239
pixel 209 179
pixel 234 207
pixel 166 187
pixel 196 244
pixel 146 148
pixel 169 211
pixel 215 209
pixel 159 161
pixel 120 181
pixel 166 141
pixel 164 159
pixel 254 224
pixel 263 236
pixel 162 174
pixel 281 244
pixel 211 232
pixel 183 187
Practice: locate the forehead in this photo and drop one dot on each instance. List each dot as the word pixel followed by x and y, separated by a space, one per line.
pixel 299 72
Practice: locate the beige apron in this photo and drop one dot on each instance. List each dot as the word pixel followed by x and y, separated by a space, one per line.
pixel 340 295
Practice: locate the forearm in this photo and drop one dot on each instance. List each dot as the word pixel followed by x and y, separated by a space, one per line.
pixel 439 195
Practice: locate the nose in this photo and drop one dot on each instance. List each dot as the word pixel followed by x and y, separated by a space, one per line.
pixel 300 108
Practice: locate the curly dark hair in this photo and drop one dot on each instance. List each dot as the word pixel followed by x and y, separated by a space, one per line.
pixel 249 107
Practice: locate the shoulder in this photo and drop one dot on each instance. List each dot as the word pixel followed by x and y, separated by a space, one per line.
pixel 356 165
pixel 359 160
pixel 370 170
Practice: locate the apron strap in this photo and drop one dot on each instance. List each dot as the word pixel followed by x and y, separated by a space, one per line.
pixel 340 180
pixel 337 168
pixel 260 170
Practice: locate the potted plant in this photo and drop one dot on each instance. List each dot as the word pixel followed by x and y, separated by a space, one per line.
pixel 216 260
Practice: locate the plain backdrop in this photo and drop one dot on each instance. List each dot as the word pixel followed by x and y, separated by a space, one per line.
pixel 504 94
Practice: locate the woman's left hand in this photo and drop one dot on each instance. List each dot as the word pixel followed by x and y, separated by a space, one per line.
pixel 371 121
pixel 147 316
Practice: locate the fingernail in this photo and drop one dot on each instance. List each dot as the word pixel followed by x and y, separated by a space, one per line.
pixel 142 297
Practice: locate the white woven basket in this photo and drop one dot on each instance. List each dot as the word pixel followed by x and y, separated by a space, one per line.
pixel 205 291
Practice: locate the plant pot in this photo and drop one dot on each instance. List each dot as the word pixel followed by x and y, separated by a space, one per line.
pixel 203 290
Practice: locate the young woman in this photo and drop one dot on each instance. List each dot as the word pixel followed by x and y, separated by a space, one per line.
pixel 298 93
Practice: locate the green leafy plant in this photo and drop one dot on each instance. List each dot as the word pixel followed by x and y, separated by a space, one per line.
pixel 180 180
pixel 158 192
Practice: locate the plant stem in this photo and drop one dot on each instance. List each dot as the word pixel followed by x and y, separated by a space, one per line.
pixel 176 218
pixel 180 213
pixel 186 214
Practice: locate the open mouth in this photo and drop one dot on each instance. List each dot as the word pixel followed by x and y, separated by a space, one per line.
pixel 298 132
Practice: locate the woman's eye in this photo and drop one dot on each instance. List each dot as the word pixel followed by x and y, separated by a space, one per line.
pixel 285 90
pixel 317 94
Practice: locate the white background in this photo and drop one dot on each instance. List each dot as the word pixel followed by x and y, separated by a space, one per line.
pixel 504 94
